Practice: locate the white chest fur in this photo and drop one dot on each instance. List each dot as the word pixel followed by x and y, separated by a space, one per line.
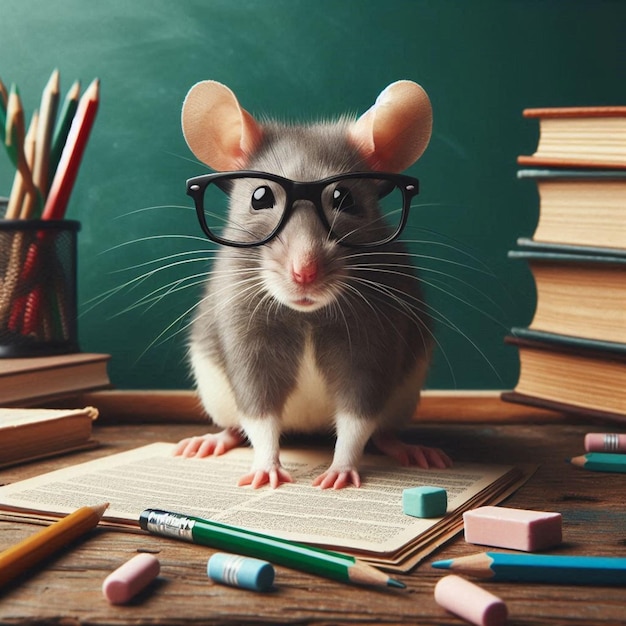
pixel 310 407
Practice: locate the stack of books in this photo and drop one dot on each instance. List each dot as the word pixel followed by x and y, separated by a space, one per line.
pixel 573 353
pixel 28 433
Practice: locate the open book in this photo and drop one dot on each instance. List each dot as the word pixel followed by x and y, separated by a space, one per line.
pixel 366 522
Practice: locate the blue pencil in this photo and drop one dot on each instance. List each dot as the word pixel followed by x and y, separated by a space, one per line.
pixel 601 462
pixel 544 568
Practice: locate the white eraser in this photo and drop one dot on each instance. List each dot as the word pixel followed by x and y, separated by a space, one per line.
pixel 469 601
pixel 130 578
pixel 516 529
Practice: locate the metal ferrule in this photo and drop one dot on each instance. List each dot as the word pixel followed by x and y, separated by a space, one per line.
pixel 170 525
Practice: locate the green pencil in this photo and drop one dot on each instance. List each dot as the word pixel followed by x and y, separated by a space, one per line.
pixel 601 462
pixel 248 543
pixel 62 128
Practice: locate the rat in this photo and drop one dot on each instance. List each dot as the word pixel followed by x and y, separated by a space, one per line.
pixel 304 334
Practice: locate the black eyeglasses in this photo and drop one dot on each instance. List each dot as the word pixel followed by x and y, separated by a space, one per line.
pixel 246 208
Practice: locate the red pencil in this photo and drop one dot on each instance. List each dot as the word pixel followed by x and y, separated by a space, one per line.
pixel 72 154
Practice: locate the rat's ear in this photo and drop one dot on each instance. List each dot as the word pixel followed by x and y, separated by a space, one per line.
pixel 217 130
pixel 394 132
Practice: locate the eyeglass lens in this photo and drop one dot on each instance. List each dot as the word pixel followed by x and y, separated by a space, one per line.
pixel 356 210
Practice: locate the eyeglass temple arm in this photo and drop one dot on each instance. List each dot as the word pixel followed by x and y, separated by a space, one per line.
pixel 385 187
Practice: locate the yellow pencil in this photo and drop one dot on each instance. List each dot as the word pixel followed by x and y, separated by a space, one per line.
pixel 18 197
pixel 30 145
pixel 33 549
pixel 47 119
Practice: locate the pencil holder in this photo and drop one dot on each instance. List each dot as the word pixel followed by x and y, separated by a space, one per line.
pixel 38 287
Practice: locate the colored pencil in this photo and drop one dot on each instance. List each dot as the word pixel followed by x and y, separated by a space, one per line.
pixel 544 568
pixel 33 549
pixel 29 201
pixel 14 111
pixel 15 143
pixel 72 154
pixel 62 128
pixel 47 118
pixel 601 462
pixel 4 97
pixel 280 551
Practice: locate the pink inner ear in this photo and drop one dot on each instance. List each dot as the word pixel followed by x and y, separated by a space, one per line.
pixel 394 132
pixel 217 130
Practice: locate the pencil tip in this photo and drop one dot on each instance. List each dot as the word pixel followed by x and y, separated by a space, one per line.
pixel 446 564
pixel 392 582
pixel 101 508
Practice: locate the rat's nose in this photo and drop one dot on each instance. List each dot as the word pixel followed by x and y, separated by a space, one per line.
pixel 304 273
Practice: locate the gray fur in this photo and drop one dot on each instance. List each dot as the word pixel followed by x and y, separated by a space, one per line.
pixel 365 343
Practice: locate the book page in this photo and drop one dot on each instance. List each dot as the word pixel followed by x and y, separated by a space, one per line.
pixel 20 417
pixel 366 519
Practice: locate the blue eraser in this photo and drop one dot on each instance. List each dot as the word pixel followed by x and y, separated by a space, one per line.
pixel 425 501
pixel 240 571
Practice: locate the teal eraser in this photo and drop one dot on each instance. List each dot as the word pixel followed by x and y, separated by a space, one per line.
pixel 425 501
pixel 240 571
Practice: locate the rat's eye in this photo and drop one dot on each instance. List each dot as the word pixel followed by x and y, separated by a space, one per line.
pixel 343 200
pixel 263 198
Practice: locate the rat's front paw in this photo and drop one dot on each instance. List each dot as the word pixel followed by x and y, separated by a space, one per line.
pixel 338 478
pixel 209 444
pixel 274 476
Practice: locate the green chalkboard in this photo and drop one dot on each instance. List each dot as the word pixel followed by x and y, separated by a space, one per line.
pixel 481 61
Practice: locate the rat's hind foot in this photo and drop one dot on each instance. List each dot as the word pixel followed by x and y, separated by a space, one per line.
pixel 209 444
pixel 411 454
pixel 338 478
pixel 273 476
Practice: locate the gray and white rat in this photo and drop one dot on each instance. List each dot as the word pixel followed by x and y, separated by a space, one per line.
pixel 302 334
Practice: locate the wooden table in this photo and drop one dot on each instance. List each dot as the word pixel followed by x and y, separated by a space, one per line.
pixel 66 590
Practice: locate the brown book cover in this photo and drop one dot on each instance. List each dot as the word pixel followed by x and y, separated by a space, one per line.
pixel 591 111
pixel 34 380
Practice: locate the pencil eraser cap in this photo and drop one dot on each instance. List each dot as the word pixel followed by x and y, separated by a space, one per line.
pixel 240 571
pixel 130 578
pixel 425 501
pixel 469 601
pixel 516 529
pixel 605 442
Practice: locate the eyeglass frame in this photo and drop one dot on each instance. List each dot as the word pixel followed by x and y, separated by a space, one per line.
pixel 298 190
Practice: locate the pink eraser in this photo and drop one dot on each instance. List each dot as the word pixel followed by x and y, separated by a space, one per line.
pixel 517 529
pixel 469 601
pixel 605 442
pixel 129 579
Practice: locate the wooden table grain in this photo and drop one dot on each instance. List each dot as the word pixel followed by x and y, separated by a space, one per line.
pixel 66 589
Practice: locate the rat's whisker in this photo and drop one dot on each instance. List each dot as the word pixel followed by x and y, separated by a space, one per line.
pixel 152 238
pixel 154 208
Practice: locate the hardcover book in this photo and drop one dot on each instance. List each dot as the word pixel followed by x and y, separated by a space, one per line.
pixel 29 434
pixel 583 208
pixel 582 295
pixel 34 380
pixel 579 137
pixel 570 374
